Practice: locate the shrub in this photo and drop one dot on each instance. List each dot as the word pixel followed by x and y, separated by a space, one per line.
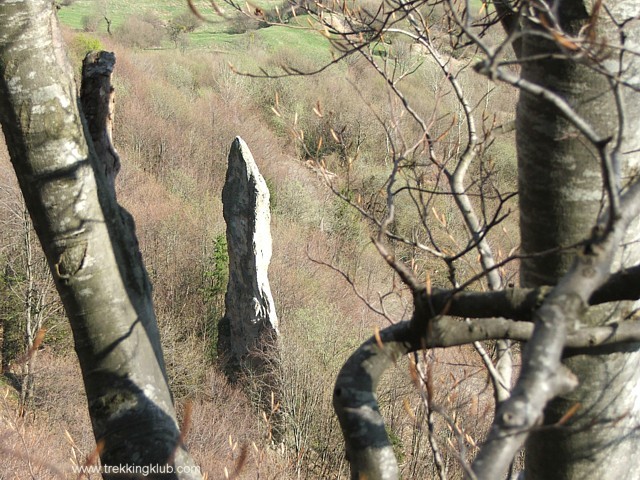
pixel 181 77
pixel 241 23
pixel 137 32
pixel 91 22
pixel 316 340
pixel 84 43
pixel 10 321
pixel 346 223
pixel 181 25
pixel 295 201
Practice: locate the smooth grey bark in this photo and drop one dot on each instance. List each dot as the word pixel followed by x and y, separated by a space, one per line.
pixel 90 246
pixel 368 448
pixel 250 326
pixel 561 194
pixel 543 377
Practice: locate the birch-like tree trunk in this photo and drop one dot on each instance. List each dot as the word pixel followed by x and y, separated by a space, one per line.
pixel 90 246
pixel 561 195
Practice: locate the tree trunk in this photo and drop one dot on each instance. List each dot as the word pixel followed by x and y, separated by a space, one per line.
pixel 561 194
pixel 90 246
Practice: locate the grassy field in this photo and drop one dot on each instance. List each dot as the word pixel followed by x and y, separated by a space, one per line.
pixel 217 34
pixel 210 34
pixel 231 34
pixel 117 10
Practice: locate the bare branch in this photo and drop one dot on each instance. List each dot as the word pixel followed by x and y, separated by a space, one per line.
pixel 520 303
pixel 368 447
pixel 509 17
pixel 543 377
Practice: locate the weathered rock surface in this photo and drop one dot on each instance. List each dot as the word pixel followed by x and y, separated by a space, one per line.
pixel 249 329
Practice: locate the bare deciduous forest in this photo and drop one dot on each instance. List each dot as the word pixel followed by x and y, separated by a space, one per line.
pixel 453 198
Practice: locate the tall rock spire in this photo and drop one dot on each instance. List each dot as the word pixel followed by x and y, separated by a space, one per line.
pixel 249 329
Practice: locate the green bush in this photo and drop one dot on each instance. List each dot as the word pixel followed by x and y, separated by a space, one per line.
pixel 181 77
pixel 84 43
pixel 181 25
pixel 215 278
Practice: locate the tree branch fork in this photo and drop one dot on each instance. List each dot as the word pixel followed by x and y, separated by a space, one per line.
pixel 444 319
pixel 509 314
pixel 547 318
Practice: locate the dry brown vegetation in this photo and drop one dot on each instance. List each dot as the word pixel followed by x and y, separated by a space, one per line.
pixel 176 117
